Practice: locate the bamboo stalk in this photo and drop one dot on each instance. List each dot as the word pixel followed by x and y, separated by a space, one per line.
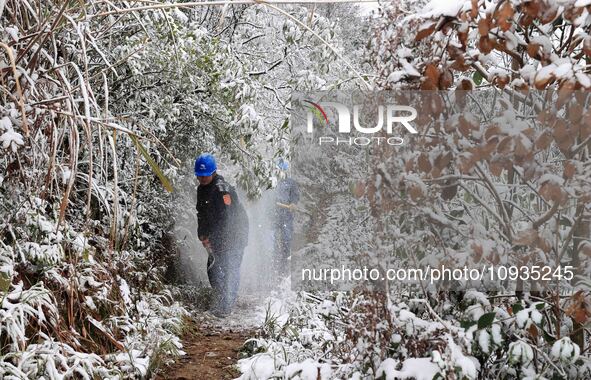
pixel 21 103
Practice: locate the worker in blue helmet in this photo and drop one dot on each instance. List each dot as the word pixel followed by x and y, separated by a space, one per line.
pixel 223 231
pixel 287 196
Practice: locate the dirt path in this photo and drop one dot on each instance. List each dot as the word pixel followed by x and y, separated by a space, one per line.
pixel 212 345
pixel 209 355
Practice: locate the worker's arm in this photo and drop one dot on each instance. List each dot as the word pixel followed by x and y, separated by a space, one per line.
pixel 295 192
pixel 202 222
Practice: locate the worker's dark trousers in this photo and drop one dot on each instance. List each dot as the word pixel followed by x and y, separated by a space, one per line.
pixel 283 235
pixel 223 270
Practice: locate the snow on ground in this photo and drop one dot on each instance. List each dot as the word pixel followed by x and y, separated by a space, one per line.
pixel 248 314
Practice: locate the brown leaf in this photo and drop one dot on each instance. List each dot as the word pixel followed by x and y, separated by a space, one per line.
pixel 523 87
pixel 530 172
pixel 505 147
pixel 432 73
pixel 531 8
pixel 496 168
pixel 449 191
pixel 465 163
pixel 551 191
pixel 585 248
pixel 463 37
pixel 527 237
pixel 522 145
pixel 543 244
pixel 460 64
pixel 465 127
pixel 533 49
pixel 575 111
pixel 443 160
pixel 546 117
pixel 428 85
pixel 424 163
pixel 446 79
pixel 569 169
pixel 415 192
pixel 572 13
pixel 505 15
pixel 500 80
pixel 477 251
pixel 492 131
pixel 425 30
pixel 526 20
pixel 533 331
pixel 409 166
pixel 544 140
pixel 562 136
pixel 483 26
pixel 565 92
pixel 485 45
pixel 465 85
pixel 474 9
pixel 579 310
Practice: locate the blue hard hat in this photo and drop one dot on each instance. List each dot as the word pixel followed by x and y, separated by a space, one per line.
pixel 283 164
pixel 205 165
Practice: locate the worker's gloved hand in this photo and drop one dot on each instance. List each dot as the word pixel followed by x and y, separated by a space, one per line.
pixel 206 243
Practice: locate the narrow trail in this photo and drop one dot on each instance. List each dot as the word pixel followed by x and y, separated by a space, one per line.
pixel 213 345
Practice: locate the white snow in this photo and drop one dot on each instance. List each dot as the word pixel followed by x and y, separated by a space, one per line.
pixel 308 370
pixel 528 72
pixel 66 174
pixel 125 292
pixel 565 350
pixel 11 140
pixel 536 316
pixel 417 368
pixel 5 123
pixel 387 368
pixel 543 41
pixel 408 68
pixel 180 15
pixel 520 352
pixel 436 8
pixel 468 364
pixel 484 341
pixel 545 73
pixel 496 334
pixel 564 70
pixel 553 178
pixel 583 79
pixel 522 317
pixel 257 367
pixel 12 31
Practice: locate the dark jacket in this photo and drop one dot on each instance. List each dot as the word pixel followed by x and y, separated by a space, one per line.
pixel 220 216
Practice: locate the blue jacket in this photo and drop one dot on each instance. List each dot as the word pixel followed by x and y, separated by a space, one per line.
pixel 287 192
